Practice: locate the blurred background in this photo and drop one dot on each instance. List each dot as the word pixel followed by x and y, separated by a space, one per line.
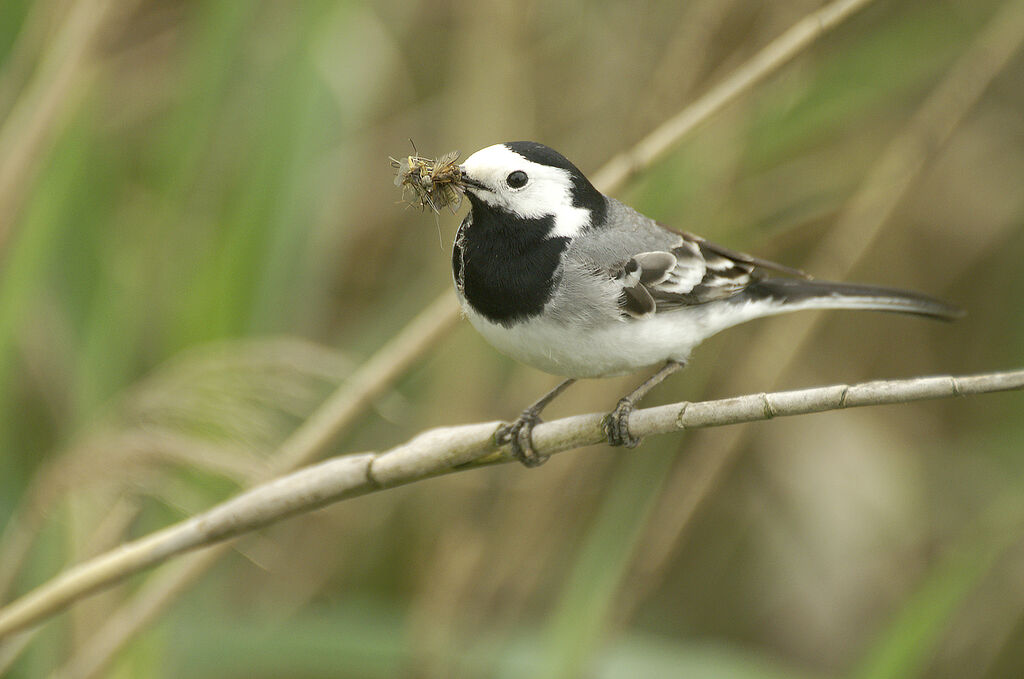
pixel 200 239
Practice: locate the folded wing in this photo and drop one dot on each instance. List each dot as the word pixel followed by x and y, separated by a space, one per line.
pixel 694 272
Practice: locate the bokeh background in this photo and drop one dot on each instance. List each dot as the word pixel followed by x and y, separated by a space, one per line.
pixel 200 239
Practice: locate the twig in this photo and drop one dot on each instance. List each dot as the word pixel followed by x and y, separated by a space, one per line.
pixel 410 344
pixel 848 242
pixel 315 436
pixel 776 54
pixel 446 450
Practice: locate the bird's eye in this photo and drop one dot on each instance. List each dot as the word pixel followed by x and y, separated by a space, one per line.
pixel 517 179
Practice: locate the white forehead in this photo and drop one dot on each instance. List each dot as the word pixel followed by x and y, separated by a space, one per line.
pixel 495 162
pixel 496 156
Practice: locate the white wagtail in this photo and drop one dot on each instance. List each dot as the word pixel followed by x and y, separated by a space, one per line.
pixel 566 279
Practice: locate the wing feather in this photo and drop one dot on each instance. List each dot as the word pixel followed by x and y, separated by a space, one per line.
pixel 693 272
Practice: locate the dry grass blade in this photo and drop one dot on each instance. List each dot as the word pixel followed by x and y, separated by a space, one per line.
pixel 844 247
pixel 220 410
pixel 422 333
pixel 56 88
pixel 768 60
pixel 447 450
pixel 434 182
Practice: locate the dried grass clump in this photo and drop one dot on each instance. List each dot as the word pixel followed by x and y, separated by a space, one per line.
pixel 435 182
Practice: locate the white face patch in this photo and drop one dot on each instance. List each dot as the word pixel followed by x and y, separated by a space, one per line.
pixel 548 190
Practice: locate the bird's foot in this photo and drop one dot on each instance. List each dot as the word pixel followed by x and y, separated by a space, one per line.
pixel 616 425
pixel 519 435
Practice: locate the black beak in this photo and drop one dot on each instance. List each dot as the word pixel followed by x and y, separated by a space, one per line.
pixel 467 181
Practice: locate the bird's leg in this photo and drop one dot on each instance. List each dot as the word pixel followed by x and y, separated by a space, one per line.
pixel 520 433
pixel 616 423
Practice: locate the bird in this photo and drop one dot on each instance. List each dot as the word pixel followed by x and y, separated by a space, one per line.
pixel 564 278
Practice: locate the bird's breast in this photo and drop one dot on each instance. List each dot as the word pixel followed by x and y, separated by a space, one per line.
pixel 506 269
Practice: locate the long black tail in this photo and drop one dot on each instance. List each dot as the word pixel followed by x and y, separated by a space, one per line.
pixel 811 294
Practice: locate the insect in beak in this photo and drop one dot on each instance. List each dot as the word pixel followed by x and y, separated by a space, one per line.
pixel 434 182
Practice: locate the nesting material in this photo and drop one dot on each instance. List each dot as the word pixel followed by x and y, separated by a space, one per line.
pixel 435 182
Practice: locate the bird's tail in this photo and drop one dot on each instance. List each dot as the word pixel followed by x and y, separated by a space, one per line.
pixel 811 294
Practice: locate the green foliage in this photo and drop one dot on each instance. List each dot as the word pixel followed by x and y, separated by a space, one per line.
pixel 217 175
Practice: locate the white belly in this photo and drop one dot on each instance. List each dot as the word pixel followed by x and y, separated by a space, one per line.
pixel 617 349
pixel 624 346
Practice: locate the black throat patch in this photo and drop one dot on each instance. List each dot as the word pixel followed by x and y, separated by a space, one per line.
pixel 506 266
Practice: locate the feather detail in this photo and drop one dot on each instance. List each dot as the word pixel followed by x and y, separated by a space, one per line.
pixel 655 267
pixel 693 272
pixel 637 301
pixel 743 257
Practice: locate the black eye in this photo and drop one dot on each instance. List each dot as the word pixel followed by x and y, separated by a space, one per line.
pixel 517 179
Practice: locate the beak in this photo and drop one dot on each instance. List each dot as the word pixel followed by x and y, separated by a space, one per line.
pixel 468 181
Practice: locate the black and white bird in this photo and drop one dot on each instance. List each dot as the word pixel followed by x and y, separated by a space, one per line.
pixel 566 279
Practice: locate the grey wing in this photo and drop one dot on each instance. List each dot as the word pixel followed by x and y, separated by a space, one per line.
pixel 692 272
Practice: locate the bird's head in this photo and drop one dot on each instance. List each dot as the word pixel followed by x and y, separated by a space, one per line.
pixel 527 180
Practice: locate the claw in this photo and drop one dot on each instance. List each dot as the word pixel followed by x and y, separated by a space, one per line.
pixel 616 425
pixel 519 435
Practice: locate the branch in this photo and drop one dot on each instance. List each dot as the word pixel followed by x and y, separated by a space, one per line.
pixel 446 450
pixel 318 433
pixel 840 251
pixel 422 333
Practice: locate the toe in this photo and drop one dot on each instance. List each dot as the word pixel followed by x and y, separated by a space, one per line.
pixel 616 426
pixel 503 434
pixel 519 435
